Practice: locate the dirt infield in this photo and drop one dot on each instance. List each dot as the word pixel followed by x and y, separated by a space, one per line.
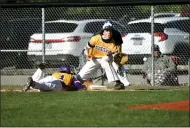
pixel 18 90
pixel 177 105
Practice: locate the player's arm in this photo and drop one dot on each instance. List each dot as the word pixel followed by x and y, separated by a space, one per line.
pixel 170 65
pixel 89 48
pixel 77 84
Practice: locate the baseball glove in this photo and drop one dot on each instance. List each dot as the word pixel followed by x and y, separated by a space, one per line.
pixel 120 58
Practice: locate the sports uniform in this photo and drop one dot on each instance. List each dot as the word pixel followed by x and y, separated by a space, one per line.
pixel 58 81
pixel 101 51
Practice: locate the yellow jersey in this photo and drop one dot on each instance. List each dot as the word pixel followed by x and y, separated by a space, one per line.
pixel 99 48
pixel 64 77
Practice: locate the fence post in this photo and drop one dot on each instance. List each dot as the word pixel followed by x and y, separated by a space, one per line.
pixel 43 35
pixel 152 44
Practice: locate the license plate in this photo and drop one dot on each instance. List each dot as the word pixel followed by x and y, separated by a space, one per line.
pixel 137 42
pixel 48 46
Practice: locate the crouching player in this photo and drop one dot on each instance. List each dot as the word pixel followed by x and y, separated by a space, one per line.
pixel 62 80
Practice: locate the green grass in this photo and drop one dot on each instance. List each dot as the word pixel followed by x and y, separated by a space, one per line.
pixel 96 109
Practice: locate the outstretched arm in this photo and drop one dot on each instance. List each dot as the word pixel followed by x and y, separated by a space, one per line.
pixel 77 84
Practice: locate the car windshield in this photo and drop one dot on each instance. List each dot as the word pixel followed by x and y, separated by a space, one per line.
pixel 120 28
pixel 93 27
pixel 144 27
pixel 58 27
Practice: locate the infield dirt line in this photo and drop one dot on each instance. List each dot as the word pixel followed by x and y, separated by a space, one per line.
pixel 176 105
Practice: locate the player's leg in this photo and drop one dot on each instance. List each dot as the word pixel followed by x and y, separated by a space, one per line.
pixel 48 83
pixel 97 77
pixel 111 74
pixel 110 71
pixel 121 72
pixel 28 84
pixel 40 72
pixel 88 69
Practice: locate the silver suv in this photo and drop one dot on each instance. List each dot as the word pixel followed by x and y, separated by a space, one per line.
pixel 171 34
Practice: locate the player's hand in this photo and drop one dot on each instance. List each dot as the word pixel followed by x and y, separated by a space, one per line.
pixel 88 58
pixel 110 56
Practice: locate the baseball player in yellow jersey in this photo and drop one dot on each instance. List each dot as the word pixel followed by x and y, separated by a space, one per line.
pixel 100 51
pixel 62 80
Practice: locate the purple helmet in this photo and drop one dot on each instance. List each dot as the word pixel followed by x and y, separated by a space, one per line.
pixel 65 68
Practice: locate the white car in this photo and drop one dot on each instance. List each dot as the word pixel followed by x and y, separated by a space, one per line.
pixel 65 40
pixel 170 34
pixel 169 14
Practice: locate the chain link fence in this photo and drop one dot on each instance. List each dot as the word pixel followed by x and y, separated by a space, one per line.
pixel 22 40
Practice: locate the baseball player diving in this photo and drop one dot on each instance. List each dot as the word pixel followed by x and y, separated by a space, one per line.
pixel 100 52
pixel 62 80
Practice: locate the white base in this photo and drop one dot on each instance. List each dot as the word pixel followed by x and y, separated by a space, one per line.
pixel 97 87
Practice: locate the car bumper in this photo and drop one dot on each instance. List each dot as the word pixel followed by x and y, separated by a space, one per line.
pixel 55 59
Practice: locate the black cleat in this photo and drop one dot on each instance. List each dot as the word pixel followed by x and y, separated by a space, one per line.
pixel 119 86
pixel 28 85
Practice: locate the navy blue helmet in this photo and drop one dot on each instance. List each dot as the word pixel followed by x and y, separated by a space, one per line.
pixel 65 68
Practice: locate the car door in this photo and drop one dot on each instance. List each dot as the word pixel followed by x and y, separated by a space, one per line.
pixel 178 32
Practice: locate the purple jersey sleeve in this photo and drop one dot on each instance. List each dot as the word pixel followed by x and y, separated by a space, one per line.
pixel 77 84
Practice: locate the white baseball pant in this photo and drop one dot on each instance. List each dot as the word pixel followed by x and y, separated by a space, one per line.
pixel 39 74
pixel 122 75
pixel 48 83
pixel 110 68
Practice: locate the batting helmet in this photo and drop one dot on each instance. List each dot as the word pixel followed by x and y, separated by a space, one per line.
pixel 65 68
pixel 107 26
